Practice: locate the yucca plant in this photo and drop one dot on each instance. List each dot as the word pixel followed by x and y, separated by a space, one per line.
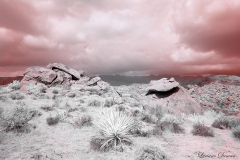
pixel 114 127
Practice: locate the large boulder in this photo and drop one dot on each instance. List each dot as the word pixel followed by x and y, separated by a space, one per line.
pixel 37 74
pixel 162 85
pixel 75 74
pixel 177 101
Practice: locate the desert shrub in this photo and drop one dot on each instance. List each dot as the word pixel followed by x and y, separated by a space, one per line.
pixel 83 109
pixel 114 130
pixel 3 98
pixel 149 118
pixel 95 102
pixel 200 129
pixel 55 91
pixel 15 85
pixel 4 90
pixel 121 108
pixel 108 102
pixel 223 122
pixel 172 123
pixel 150 153
pixel 47 108
pixel 236 132
pixel 135 104
pixel 153 113
pixel 157 111
pixel 35 113
pixel 17 96
pixel 53 120
pixel 137 130
pixel 85 120
pixel 157 131
pixel 17 120
pixel 136 112
pixel 36 89
pixel 235 123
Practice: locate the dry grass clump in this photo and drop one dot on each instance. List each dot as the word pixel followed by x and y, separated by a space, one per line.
pixel 114 130
pixel 94 102
pixel 223 122
pixel 17 96
pixel 171 123
pixel 150 153
pixel 200 129
pixel 85 120
pixel 17 120
pixel 15 85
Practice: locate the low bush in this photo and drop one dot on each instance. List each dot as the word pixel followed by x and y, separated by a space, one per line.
pixel 114 130
pixel 36 89
pixel 149 118
pixel 171 123
pixel 17 120
pixel 17 96
pixel 235 123
pixel 137 130
pixel 150 153
pixel 53 120
pixel 157 131
pixel 4 90
pixel 55 91
pixel 15 85
pixel 236 132
pixel 95 102
pixel 85 120
pixel 108 102
pixel 200 129
pixel 47 108
pixel 223 122
pixel 3 98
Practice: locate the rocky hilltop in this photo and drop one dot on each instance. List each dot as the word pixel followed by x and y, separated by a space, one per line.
pixel 218 92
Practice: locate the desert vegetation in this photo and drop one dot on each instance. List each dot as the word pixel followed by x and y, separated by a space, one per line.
pixel 108 123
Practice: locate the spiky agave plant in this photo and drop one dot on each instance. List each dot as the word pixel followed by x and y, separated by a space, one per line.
pixel 114 127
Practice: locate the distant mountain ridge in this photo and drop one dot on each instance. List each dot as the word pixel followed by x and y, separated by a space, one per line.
pixel 7 80
pixel 117 80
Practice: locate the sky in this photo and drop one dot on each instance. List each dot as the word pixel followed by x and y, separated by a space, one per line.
pixel 129 37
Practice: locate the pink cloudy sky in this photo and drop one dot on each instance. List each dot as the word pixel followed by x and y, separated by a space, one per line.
pixel 133 37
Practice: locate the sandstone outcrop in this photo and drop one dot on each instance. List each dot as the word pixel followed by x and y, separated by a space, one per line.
pixel 75 74
pixel 162 85
pixel 171 96
pixel 59 74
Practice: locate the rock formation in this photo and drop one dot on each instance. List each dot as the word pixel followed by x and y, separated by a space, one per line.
pixel 171 96
pixel 60 74
pixel 162 85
